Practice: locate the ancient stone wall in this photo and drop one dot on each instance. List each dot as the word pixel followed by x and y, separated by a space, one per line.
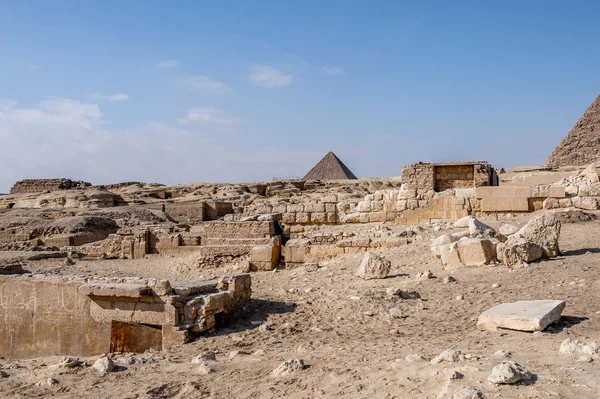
pixel 42 185
pixel 425 177
pixel 43 316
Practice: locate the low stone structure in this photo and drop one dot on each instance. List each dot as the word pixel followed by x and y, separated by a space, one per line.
pixel 42 185
pixel 212 239
pixel 45 315
pixel 442 176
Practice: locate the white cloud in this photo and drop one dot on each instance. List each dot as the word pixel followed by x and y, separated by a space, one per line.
pixel 113 97
pixel 207 116
pixel 6 104
pixel 203 82
pixel 65 138
pixel 334 70
pixel 165 64
pixel 267 76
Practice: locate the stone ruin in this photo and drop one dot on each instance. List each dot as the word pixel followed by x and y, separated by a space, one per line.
pixel 442 176
pixel 43 185
pixel 44 315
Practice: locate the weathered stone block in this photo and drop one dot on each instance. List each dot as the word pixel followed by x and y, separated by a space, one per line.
pixel 521 315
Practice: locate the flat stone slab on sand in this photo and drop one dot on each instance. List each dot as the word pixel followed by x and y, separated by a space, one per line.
pixel 521 315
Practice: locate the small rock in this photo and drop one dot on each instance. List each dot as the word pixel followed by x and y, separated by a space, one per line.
pixel 449 355
pixel 502 354
pixel 288 367
pixel 396 313
pixel 4 374
pixel 463 392
pixel 460 297
pixel 274 340
pixel 203 369
pixel 427 274
pixel 68 262
pixel 373 267
pixel 204 357
pixel 414 358
pixel 455 375
pixel 259 352
pixel 104 365
pixel 509 372
pixel 585 359
pixel 233 354
pixel 449 279
pixel 495 285
pixel 69 362
pixel 47 382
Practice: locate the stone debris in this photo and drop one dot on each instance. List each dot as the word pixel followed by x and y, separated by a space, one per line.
pixel 4 374
pixel 204 369
pixel 425 275
pixel 508 229
pixel 449 279
pixel 204 357
pixel 521 315
pixel 373 267
pixel 574 346
pixel 509 372
pixel 449 356
pixel 69 362
pixel 104 365
pixel 477 228
pixel 396 313
pixel 537 239
pixel 404 294
pixel 414 358
pixel 462 222
pixel 289 367
pixel 47 382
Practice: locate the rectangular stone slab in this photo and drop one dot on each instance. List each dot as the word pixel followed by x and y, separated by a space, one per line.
pixel 521 315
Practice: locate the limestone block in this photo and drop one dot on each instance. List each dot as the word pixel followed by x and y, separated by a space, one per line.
pixel 279 208
pixel 331 217
pixel 295 208
pixel 364 206
pixel 294 254
pixel 584 190
pixel 508 229
pixel 353 218
pixel 518 250
pixel 450 256
pixel 572 190
pixel 587 203
pixel 373 267
pixel 565 203
pixel 377 206
pixel 318 217
pixel 331 198
pixel 377 217
pixel 407 193
pixel 302 217
pixel 412 204
pixel 378 196
pixel 557 192
pixel 423 203
pixel 521 315
pixel 551 203
pixel 437 242
pixel 401 205
pixel 543 230
pixel 594 190
pixel 365 217
pixel 288 218
pixel 475 251
pixel 330 207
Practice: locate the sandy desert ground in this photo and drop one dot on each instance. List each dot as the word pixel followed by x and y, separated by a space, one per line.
pixel 340 326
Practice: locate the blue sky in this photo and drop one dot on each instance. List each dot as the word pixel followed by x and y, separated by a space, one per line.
pixel 109 91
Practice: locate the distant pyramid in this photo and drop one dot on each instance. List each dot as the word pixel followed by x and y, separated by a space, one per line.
pixel 330 168
pixel 582 145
